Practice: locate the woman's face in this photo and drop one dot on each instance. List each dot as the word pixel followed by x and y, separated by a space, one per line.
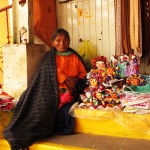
pixel 61 43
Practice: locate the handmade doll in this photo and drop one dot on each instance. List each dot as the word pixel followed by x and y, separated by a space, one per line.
pixel 120 84
pixel 115 98
pixel 99 65
pixel 93 84
pixel 132 66
pixel 124 59
pixel 113 61
pixel 99 62
pixel 135 80
pixel 98 102
pixel 112 98
pixel 87 99
pixel 110 76
pixel 114 64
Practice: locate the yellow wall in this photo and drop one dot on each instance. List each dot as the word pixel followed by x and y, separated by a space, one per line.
pixel 3 34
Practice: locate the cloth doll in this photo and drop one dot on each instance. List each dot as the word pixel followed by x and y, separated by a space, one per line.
pixel 132 66
pixel 99 102
pixel 124 59
pixel 87 100
pixel 135 80
pixel 99 65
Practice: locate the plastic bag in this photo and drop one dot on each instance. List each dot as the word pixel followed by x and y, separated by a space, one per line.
pixel 87 52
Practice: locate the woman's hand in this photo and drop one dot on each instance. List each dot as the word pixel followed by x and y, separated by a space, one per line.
pixel 71 83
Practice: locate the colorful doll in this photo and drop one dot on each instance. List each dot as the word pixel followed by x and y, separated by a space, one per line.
pixel 93 84
pixel 132 66
pixel 99 62
pixel 87 99
pixel 110 74
pixel 114 64
pixel 135 80
pixel 99 65
pixel 124 59
pixel 113 61
pixel 99 102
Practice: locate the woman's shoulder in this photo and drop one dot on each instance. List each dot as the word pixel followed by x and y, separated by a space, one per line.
pixel 75 52
pixel 79 57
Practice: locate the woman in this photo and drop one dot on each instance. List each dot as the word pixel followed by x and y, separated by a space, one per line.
pixel 44 104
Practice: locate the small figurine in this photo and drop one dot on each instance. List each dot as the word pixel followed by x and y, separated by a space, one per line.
pixel 99 65
pixel 110 74
pixel 132 66
pixel 99 62
pixel 87 101
pixel 114 64
pixel 124 59
pixel 135 80
pixel 93 84
pixel 113 61
pixel 99 100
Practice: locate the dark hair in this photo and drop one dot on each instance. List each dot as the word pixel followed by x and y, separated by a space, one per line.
pixel 60 31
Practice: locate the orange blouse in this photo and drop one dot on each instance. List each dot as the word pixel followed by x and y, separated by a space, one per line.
pixel 68 66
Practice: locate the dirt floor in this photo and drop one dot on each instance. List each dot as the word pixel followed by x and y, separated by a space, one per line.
pixel 101 142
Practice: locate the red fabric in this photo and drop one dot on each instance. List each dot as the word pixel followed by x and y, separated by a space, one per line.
pixel 65 98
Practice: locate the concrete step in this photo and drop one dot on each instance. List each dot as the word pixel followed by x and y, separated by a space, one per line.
pixel 85 142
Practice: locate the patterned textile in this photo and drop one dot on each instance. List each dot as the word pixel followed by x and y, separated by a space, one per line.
pixel 118 27
pixel 135 27
pixel 128 27
pixel 34 115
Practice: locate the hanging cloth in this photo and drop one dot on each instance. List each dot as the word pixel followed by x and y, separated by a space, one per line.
pixel 125 20
pixel 135 27
pixel 118 28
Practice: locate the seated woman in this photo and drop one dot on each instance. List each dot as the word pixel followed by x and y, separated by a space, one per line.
pixel 43 107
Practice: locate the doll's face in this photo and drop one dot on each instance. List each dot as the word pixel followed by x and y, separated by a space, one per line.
pixel 135 81
pixel 94 82
pixel 98 95
pixel 88 94
pixel 110 71
pixel 100 65
pixel 114 95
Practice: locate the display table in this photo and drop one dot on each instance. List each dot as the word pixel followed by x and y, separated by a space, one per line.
pixel 112 123
pixel 5 117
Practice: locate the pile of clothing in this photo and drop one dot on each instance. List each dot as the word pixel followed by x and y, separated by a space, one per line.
pixel 6 101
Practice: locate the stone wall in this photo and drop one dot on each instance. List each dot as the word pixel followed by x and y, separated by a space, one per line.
pixel 20 64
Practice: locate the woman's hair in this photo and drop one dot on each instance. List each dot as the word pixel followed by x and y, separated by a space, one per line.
pixel 60 31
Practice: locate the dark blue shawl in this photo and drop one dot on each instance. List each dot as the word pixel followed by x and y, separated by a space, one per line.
pixel 35 114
